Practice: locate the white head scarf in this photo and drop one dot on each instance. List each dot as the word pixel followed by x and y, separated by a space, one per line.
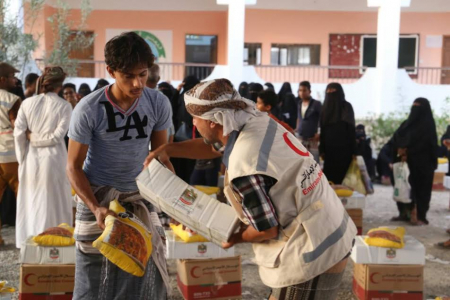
pixel 217 101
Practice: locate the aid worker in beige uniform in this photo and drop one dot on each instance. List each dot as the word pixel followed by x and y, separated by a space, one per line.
pixel 300 232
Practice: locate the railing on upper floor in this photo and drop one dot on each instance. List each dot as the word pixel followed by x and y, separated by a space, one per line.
pixel 315 74
pixel 270 73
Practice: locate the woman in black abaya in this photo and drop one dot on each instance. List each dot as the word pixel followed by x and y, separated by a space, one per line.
pixel 416 143
pixel 337 136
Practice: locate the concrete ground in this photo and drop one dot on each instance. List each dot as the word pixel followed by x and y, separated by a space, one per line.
pixel 379 209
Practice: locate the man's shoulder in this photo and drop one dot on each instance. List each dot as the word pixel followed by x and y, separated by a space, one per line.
pixel 7 96
pixel 155 98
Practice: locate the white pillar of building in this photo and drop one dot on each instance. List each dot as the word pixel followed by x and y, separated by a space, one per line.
pixel 388 36
pixel 236 28
pixel 14 13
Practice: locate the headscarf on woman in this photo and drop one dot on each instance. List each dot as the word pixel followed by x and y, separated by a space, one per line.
pixel 84 90
pixel 285 90
pixel 418 130
pixel 335 107
pixel 50 80
pixel 101 83
pixel 244 90
pixel 269 86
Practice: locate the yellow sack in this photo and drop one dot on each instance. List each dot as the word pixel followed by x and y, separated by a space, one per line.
pixel 186 236
pixel 61 236
pixel 386 237
pixel 208 190
pixel 126 241
pixel 6 289
pixel 343 193
pixel 442 160
pixel 353 178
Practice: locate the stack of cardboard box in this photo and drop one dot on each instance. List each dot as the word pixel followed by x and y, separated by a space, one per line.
pixel 439 176
pixel 356 214
pixel 46 272
pixel 354 205
pixel 386 273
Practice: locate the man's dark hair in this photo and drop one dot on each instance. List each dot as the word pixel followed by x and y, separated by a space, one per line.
pixel 30 79
pixel 69 85
pixel 268 97
pixel 127 51
pixel 306 84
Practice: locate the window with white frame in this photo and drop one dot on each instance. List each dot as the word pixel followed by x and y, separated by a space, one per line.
pixel 287 54
pixel 408 54
pixel 252 54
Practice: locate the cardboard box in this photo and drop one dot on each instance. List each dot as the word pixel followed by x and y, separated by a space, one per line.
pixel 438 181
pixel 209 217
pixel 442 168
pixel 412 254
pixel 210 278
pixel 356 215
pixel 32 253
pixel 46 282
pixel 176 248
pixel 356 200
pixel 395 282
pixel 447 182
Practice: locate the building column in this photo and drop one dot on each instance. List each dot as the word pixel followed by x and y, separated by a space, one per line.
pixel 235 47
pixel 388 35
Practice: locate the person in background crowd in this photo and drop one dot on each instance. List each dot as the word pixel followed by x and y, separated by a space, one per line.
pixel 445 140
pixel 84 90
pixel 269 86
pixel 243 90
pixel 30 84
pixel 385 163
pixel 101 83
pixel 184 128
pixel 289 110
pixel 69 94
pixel 253 90
pixel 44 199
pixel 169 91
pixel 308 118
pixel 337 133
pixel 8 114
pixel 18 89
pixel 416 143
pixel 106 153
pixel 153 77
pixel 284 90
pixel 275 184
pixel 266 101
pixel 364 149
pixel 443 150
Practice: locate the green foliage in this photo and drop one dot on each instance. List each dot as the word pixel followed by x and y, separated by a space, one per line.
pixel 66 39
pixel 16 46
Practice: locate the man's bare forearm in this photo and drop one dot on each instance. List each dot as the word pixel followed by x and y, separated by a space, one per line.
pixel 82 187
pixel 192 149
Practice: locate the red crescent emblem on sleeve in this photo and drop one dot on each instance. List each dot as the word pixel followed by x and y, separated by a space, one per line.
pixel 292 146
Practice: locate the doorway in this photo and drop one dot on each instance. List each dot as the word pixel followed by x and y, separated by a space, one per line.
pixel 445 75
pixel 200 49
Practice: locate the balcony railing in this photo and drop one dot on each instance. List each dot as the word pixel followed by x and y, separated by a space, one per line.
pixel 270 73
pixel 168 71
pixel 315 74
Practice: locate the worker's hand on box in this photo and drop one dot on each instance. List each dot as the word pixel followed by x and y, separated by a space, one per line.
pixel 100 215
pixel 235 238
pixel 161 155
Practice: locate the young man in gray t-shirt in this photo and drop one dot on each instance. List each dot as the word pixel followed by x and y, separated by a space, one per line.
pixel 110 133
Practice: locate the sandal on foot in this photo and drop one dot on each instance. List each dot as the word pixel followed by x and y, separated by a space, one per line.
pixel 443 245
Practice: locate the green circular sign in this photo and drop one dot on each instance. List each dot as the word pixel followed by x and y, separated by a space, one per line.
pixel 154 43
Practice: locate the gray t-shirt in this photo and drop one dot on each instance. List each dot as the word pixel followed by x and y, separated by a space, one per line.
pixel 118 140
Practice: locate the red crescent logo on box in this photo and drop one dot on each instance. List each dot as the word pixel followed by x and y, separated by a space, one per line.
pixel 193 272
pixel 292 146
pixel 372 279
pixel 25 279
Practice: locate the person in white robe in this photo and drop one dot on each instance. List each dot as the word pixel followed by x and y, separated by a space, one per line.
pixel 44 197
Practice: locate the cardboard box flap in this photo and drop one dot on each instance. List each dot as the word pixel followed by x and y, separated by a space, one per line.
pixel 412 253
